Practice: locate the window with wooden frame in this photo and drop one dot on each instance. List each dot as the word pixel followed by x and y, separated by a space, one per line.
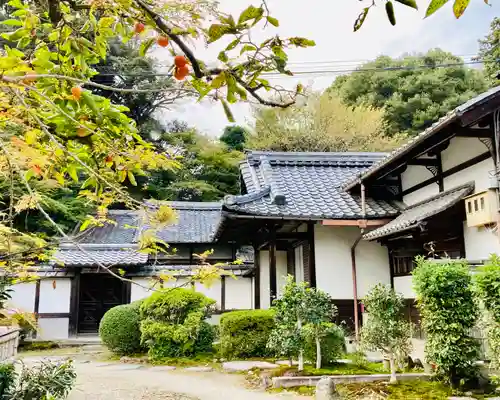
pixel 402 265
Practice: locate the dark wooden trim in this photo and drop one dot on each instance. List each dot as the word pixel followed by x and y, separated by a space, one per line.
pixel 312 255
pixel 391 267
pixel 291 235
pixel 481 111
pixel 127 292
pixel 474 133
pixel 426 162
pixel 451 171
pixel 73 304
pixel 290 261
pixel 223 293
pixel 272 270
pixel 36 307
pixel 439 174
pixel 256 278
pixel 54 315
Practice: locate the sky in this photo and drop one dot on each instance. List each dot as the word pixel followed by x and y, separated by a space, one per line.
pixel 330 24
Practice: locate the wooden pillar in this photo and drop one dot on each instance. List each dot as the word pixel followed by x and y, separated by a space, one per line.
pixel 440 172
pixel 312 257
pixel 73 303
pixel 223 293
pixel 290 261
pixel 256 279
pixel 272 268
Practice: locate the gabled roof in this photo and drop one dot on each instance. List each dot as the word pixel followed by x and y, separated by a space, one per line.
pixel 305 186
pixel 435 128
pixel 116 244
pixel 414 215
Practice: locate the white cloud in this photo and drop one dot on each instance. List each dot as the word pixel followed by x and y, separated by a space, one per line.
pixel 330 23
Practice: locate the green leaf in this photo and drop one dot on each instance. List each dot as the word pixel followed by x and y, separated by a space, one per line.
pixel 227 111
pixel 434 6
pixel 459 7
pixel 222 56
pixel 216 31
pixel 409 3
pixel 143 49
pixel 273 21
pixel 29 174
pixel 247 47
pixel 233 44
pixel 21 32
pixel 231 89
pixel 72 172
pixel 389 9
pixel 361 19
pixel 131 178
pixel 250 13
pixel 12 22
pixel 301 42
pixel 218 81
pixel 85 224
pixel 280 53
pixel 53 36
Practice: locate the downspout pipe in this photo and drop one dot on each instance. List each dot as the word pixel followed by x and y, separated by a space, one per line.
pixel 353 266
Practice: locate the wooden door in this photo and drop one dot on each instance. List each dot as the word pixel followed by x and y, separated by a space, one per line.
pixel 98 293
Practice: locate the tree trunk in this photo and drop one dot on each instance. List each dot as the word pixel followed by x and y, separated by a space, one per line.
pixel 392 364
pixel 290 362
pixel 318 353
pixel 301 352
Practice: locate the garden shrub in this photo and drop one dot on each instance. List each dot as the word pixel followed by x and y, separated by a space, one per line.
pixel 173 323
pixel 449 312
pixel 245 333
pixel 487 283
pixel 120 329
pixel 332 343
pixel 7 379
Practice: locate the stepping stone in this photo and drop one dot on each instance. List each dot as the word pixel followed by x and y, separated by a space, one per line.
pixel 163 368
pixel 125 367
pixel 199 369
pixel 344 361
pixel 287 363
pixel 103 364
pixel 238 366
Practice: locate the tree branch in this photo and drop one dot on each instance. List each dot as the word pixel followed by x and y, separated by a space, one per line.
pixel 256 96
pixel 160 23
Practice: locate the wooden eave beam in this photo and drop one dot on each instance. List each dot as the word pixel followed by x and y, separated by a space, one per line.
pixel 361 223
pixel 474 133
pixel 426 162
pixel 479 112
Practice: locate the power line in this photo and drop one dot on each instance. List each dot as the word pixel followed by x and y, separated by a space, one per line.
pixel 326 72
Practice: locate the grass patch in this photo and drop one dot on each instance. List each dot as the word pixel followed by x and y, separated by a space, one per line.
pixel 206 359
pixel 334 369
pixel 301 390
pixel 409 390
pixel 39 346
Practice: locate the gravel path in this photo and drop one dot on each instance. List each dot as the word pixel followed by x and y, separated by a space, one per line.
pixel 99 381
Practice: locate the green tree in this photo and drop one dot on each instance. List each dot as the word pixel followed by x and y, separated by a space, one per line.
pixel 445 298
pixel 323 123
pixel 489 50
pixel 487 283
pixel 208 170
pixel 386 329
pixel 234 137
pixel 415 96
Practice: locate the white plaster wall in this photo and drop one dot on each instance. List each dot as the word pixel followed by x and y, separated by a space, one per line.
pixel 52 328
pixel 480 242
pixel 421 194
pixel 333 262
pixel 213 291
pixel 404 285
pixel 460 150
pixel 264 279
pixel 478 173
pixel 238 293
pixel 281 271
pixel 413 175
pixel 140 292
pixel 55 295
pixel 23 297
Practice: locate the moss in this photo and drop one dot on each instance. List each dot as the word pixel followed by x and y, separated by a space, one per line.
pixel 335 369
pixel 409 390
pixel 301 390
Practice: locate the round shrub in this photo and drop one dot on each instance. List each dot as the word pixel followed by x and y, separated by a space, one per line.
pixel 120 329
pixel 172 323
pixel 245 333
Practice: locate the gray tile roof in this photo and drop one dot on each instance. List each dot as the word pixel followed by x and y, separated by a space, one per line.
pixel 305 185
pixel 196 222
pixel 431 131
pixel 414 215
pixel 108 255
pixel 115 244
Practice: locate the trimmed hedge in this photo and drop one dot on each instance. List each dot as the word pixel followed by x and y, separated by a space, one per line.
pixel 120 329
pixel 172 324
pixel 245 333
